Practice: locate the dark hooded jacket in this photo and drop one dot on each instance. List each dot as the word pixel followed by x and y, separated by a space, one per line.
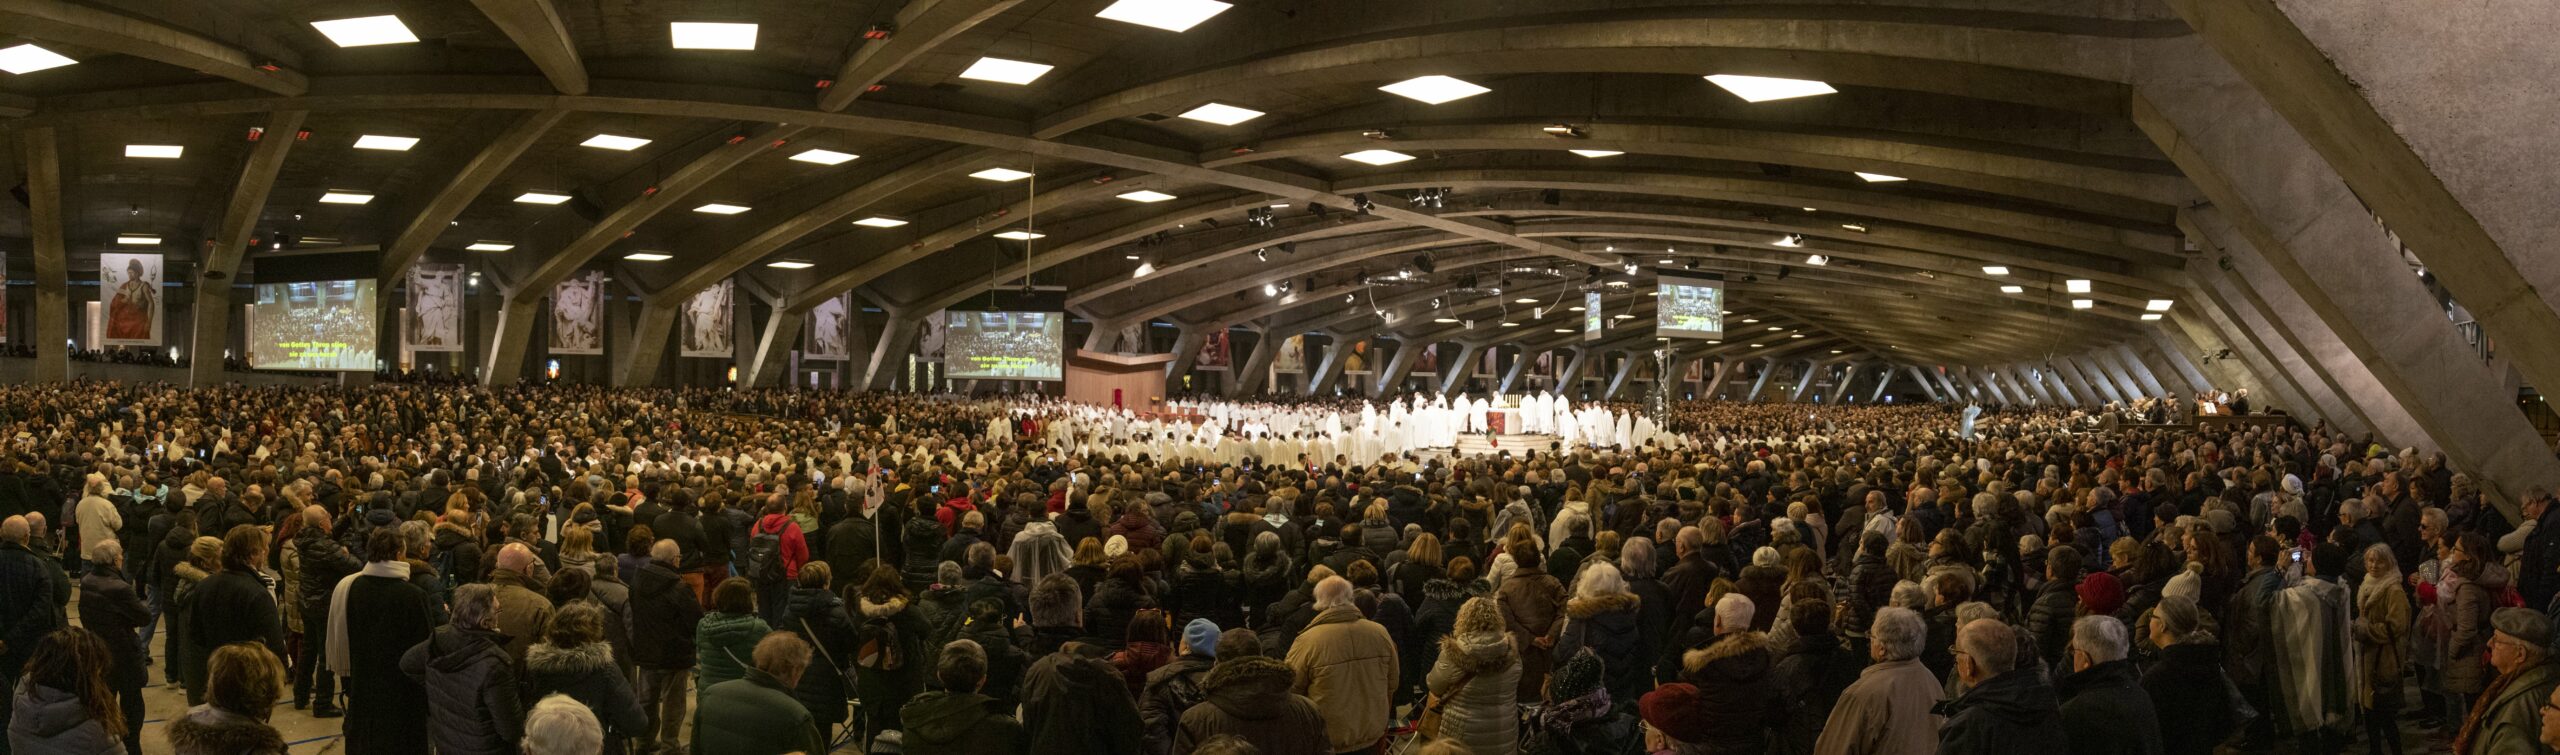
pixel 48 721
pixel 1170 689
pixel 2106 712
pixel 2014 712
pixel 664 612
pixel 1250 699
pixel 1811 680
pixel 819 617
pixel 207 730
pixel 1737 694
pixel 1608 625
pixel 959 723
pixel 472 698
pixel 587 673
pixel 1074 703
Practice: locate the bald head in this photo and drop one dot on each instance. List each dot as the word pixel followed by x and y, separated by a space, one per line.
pixel 14 529
pixel 315 516
pixel 666 552
pixel 516 558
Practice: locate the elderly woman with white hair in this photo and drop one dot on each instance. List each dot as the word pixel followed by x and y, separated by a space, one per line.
pixel 560 725
pixel 1888 710
pixel 1602 615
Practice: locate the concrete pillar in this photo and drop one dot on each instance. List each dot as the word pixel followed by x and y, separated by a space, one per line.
pixel 650 333
pixel 1982 385
pixel 1519 367
pixel 43 160
pixel 2131 363
pixel 1804 380
pixel 1453 373
pixel 2030 384
pixel 2123 382
pixel 773 350
pixel 1946 380
pixel 1715 380
pixel 1328 369
pixel 2259 318
pixel 511 340
pixel 1618 380
pixel 2102 391
pixel 2179 358
pixel 1257 366
pixel 2053 381
pixel 1398 368
pixel 1186 353
pixel 2409 104
pixel 1768 368
pixel 1927 386
pixel 1884 379
pixel 2243 365
pixel 1848 381
pixel 888 352
pixel 1569 380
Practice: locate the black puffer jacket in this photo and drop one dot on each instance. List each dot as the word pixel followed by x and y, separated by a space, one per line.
pixel 1607 625
pixel 1205 592
pixel 663 613
pixel 588 674
pixel 324 562
pixel 1108 610
pixel 2014 712
pixel 472 701
pixel 1811 680
pixel 2106 712
pixel 1736 680
pixel 2049 619
pixel 819 617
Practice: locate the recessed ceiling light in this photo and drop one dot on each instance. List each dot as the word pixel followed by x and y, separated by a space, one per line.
pixel 2076 285
pixel 536 197
pixel 30 59
pixel 705 35
pixel 1766 88
pixel 1858 227
pixel 1169 15
pixel 1758 345
pixel 879 222
pixel 1146 195
pixel 134 240
pixel 609 141
pixel 1000 174
pixel 1877 178
pixel 790 265
pixel 1816 260
pixel 648 257
pixel 1777 327
pixel 1144 269
pixel 2082 304
pixel 1669 262
pixel 1021 235
pixel 2013 289
pixel 345 197
pixel 1596 152
pixel 1223 115
pixel 1995 270
pixel 1752 321
pixel 369 30
pixel 1564 330
pixel 1622 317
pixel 161 151
pixel 1377 156
pixel 1433 90
pixel 386 143
pixel 1444 320
pixel 1004 71
pixel 1511 325
pixel 490 246
pixel 717 208
pixel 1573 309
pixel 1524 301
pixel 2158 305
pixel 2151 316
pixel 825 157
pixel 1797 335
pixel 1835 351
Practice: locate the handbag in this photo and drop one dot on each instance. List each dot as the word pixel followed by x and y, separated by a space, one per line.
pixel 1428 726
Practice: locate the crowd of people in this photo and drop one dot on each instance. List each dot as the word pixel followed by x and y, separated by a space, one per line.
pixel 572 569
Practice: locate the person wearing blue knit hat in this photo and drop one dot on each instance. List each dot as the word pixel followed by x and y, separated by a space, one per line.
pixel 1176 686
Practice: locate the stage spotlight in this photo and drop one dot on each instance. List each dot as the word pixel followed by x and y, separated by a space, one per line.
pixel 1360 203
pixel 1270 290
pixel 1423 263
pixel 1288 247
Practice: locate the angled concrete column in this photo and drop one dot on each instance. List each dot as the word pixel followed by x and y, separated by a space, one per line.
pixel 2233 363
pixel 1257 366
pixel 2051 380
pixel 1715 381
pixel 2161 366
pixel 1569 381
pixel 1804 380
pixel 1983 386
pixel 2020 375
pixel 2258 318
pixel 43 161
pixel 1186 352
pixel 1884 380
pixel 888 352
pixel 1328 369
pixel 1626 373
pixel 2078 383
pixel 650 332
pixel 1768 368
pixel 220 264
pixel 1397 369
pixel 773 349
pixel 2131 363
pixel 2408 104
pixel 2092 378
pixel 2107 368
pixel 509 341
pixel 1947 382
pixel 1927 386
pixel 1848 381
pixel 2313 235
pixel 1452 373
pixel 1519 367
pixel 1102 337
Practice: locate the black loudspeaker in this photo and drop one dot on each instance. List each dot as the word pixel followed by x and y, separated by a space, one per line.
pixel 1423 263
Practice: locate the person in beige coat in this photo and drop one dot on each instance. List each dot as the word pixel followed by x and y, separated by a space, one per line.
pixel 1888 709
pixel 1477 678
pixel 1346 665
pixel 2382 635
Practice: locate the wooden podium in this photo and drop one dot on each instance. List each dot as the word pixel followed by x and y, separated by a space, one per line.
pixel 1127 381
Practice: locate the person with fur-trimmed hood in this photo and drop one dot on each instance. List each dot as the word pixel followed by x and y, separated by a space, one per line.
pixel 1727 698
pixel 1602 615
pixel 887 617
pixel 1476 675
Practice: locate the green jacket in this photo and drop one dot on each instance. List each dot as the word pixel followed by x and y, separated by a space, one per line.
pixel 725 644
pixel 2513 720
pixel 755 715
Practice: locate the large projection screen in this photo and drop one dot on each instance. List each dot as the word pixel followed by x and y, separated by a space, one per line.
pixel 313 326
pixel 1004 345
pixel 1690 306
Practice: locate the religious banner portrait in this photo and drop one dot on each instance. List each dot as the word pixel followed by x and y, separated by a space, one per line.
pixel 130 284
pixel 1485 367
pixel 434 316
pixel 931 335
pixel 823 336
pixel 1427 363
pixel 577 315
pixel 709 316
pixel 1356 361
pixel 1213 351
pixel 1292 358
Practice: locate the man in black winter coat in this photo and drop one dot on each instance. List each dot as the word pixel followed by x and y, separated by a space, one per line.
pixel 324 562
pixel 2007 707
pixel 2104 708
pixel 111 609
pixel 663 614
pixel 236 604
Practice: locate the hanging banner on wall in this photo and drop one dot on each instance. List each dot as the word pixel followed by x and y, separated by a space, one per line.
pixel 131 285
pixel 1357 361
pixel 577 314
pixel 823 336
pixel 1485 367
pixel 1292 357
pixel 1213 351
pixel 434 319
pixel 930 336
pixel 1427 364
pixel 708 320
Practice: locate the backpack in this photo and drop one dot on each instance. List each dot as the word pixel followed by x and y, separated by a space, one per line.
pixel 764 557
pixel 882 647
pixel 444 564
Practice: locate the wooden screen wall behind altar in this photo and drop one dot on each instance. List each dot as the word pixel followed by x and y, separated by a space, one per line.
pixel 1133 382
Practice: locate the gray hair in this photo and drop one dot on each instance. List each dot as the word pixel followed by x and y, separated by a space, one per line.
pixel 1333 592
pixel 560 725
pixel 107 551
pixel 415 538
pixel 1635 558
pixel 1972 610
pixel 2179 617
pixel 1599 580
pixel 475 606
pixel 1733 613
pixel 1992 644
pixel 948 573
pixel 1898 633
pixel 1907 594
pixel 666 552
pixel 2101 636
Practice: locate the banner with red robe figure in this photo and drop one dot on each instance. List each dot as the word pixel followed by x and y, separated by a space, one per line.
pixel 1213 351
pixel 131 285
